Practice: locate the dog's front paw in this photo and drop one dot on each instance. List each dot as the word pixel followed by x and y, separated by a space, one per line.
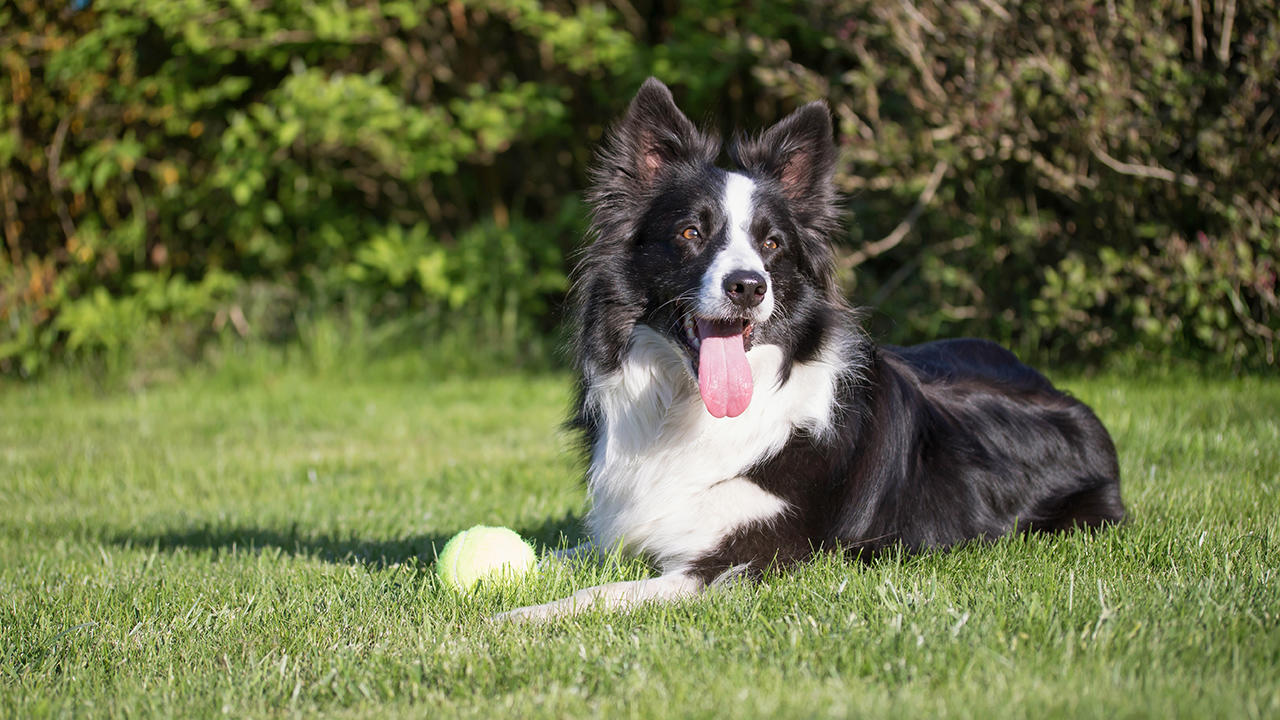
pixel 529 613
pixel 617 596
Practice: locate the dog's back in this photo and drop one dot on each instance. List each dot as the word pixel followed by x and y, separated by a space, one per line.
pixel 969 443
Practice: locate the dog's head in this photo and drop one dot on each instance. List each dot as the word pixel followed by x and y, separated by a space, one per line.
pixel 718 261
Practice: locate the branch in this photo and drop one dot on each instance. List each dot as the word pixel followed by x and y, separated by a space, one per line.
pixel 288 37
pixel 888 242
pixel 55 179
pixel 1065 181
pixel 998 10
pixel 10 218
pixel 1224 44
pixel 1197 31
pixel 634 22
pixel 1148 171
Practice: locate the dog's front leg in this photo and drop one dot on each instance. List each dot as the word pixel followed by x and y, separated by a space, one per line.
pixel 611 596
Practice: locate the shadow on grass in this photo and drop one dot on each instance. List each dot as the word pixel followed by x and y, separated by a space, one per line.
pixel 337 547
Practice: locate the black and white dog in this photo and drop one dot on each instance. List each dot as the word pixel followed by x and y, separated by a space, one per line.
pixel 736 416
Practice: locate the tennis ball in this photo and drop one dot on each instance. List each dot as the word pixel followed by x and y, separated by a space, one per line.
pixel 483 552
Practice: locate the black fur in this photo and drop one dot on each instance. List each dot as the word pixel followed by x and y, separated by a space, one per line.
pixel 932 445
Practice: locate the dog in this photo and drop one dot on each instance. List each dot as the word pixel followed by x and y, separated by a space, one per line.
pixel 735 415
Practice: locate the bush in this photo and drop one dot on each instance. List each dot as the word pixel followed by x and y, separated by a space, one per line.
pixel 207 149
pixel 1106 175
pixel 1065 177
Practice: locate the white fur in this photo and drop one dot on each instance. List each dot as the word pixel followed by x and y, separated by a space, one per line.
pixel 665 476
pixel 739 253
pixel 624 595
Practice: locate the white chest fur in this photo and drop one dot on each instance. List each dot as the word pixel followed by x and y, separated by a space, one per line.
pixel 666 477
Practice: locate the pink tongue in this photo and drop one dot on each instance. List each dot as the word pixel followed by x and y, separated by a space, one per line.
pixel 724 377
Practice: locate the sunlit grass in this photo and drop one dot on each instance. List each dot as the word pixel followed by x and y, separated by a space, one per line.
pixel 259 544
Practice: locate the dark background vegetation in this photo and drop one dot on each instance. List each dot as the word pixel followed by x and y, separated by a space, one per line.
pixel 1074 179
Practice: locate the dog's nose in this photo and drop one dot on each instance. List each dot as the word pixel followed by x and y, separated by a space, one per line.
pixel 745 288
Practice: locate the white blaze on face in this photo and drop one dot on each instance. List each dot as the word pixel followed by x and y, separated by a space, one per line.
pixel 725 380
pixel 738 253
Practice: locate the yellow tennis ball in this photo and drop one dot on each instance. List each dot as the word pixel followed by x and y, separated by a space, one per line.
pixel 484 553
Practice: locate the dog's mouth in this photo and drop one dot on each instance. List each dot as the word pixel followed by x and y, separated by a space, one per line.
pixel 693 339
pixel 718 353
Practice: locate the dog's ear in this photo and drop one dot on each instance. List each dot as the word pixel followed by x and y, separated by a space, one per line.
pixel 656 131
pixel 798 152
pixel 653 135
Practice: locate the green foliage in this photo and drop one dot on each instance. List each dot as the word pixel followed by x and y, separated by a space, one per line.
pixel 1110 174
pixel 198 151
pixel 1063 177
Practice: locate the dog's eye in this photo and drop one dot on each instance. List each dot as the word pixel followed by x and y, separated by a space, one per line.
pixel 690 233
pixel 770 244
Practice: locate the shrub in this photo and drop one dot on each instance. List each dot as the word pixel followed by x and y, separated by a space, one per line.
pixel 1107 175
pixel 1065 177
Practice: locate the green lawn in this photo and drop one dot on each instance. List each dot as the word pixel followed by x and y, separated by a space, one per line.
pixel 260 544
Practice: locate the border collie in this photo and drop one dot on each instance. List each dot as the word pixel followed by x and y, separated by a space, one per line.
pixel 736 416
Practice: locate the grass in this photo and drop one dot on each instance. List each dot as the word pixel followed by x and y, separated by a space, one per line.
pixel 260 544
